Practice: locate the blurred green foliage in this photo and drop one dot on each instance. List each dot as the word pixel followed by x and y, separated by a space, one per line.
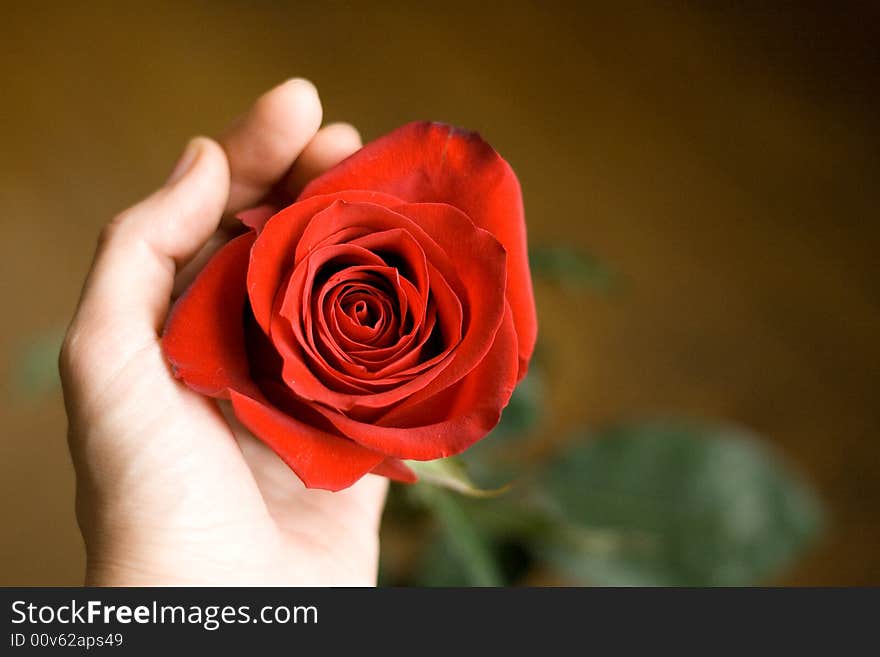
pixel 676 504
pixel 665 503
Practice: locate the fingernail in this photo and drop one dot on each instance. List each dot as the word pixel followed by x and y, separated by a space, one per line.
pixel 186 161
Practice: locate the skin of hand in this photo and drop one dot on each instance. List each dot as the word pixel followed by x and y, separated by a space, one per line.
pixel 171 490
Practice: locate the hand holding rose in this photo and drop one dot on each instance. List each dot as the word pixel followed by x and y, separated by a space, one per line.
pixel 387 314
pixel 168 491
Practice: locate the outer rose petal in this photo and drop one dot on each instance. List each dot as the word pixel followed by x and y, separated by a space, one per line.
pixel 255 218
pixel 433 162
pixel 204 335
pixel 319 459
pixel 397 470
pixel 205 343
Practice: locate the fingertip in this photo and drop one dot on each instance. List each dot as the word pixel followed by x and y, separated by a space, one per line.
pixel 297 83
pixel 295 100
pixel 332 144
pixel 201 154
pixel 342 136
pixel 212 150
pixel 201 190
pixel 213 160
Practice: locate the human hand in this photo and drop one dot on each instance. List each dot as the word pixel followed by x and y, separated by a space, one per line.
pixel 171 490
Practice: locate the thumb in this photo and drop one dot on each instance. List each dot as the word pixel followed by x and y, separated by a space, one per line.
pixel 130 283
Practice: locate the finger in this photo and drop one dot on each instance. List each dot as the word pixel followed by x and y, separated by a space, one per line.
pixel 130 283
pixel 329 147
pixel 263 144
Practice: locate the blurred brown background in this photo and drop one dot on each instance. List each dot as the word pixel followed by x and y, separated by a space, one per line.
pixel 724 161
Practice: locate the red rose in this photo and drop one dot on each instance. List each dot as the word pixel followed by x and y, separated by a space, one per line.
pixel 387 314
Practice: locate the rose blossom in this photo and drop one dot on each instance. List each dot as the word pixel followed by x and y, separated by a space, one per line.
pixel 387 314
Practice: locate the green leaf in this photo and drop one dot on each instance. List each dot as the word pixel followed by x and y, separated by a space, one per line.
pixel 462 555
pixel 451 473
pixel 573 268
pixel 676 504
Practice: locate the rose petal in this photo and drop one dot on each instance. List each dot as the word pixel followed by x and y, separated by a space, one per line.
pixel 449 422
pixel 399 249
pixel 425 162
pixel 397 470
pixel 475 256
pixel 319 459
pixel 272 255
pixel 203 338
pixel 256 218
pixel 480 275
